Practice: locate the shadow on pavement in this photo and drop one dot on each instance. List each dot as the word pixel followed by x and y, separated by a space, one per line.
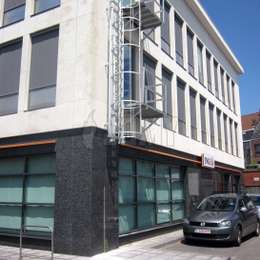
pixel 215 244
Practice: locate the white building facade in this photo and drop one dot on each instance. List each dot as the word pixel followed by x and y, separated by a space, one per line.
pixel 56 115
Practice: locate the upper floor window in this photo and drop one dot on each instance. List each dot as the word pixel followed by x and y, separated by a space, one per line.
pixel 234 96
pixel 231 135
pixel 203 120
pixel 10 64
pixel 216 79
pixel 236 139
pixel 149 81
pixel 43 5
pixel 208 56
pixel 167 99
pixel 211 124
pixel 165 30
pixel 13 11
pixel 222 85
pixel 43 75
pixel 178 40
pixel 190 37
pixel 200 63
pixel 181 107
pixel 228 92
pixel 219 129
pixel 193 116
pixel 225 133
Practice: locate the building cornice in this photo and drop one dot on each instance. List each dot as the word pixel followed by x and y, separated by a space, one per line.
pixel 215 34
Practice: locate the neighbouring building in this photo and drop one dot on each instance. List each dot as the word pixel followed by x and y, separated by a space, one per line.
pixel 251 142
pixel 116 116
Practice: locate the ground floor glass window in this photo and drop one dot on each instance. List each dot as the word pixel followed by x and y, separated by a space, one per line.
pixel 27 187
pixel 149 194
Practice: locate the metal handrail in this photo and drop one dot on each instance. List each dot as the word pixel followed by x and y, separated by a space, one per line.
pixel 34 226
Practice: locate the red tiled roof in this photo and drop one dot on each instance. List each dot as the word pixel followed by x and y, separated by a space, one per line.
pixel 247 120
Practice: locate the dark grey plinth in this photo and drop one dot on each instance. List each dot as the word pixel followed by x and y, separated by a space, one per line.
pixel 86 169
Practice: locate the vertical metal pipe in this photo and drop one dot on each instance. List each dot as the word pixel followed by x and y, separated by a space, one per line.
pixel 20 249
pixel 104 218
pixel 52 244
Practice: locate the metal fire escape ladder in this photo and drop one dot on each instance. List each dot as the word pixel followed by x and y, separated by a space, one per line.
pixel 128 106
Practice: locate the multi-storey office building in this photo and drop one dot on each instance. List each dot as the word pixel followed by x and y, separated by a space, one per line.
pixel 110 127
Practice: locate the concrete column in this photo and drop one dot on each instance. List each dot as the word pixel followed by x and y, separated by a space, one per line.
pixel 173 48
pixel 172 32
pixel 1 13
pixel 25 74
pixel 185 46
pixel 29 8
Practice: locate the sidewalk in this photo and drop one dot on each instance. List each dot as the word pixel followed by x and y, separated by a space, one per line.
pixel 147 249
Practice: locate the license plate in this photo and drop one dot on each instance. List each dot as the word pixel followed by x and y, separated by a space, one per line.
pixel 202 231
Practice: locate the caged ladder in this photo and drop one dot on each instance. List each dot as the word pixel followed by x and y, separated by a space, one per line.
pixel 127 109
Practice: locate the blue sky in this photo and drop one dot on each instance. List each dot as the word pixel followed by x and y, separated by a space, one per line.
pixel 239 23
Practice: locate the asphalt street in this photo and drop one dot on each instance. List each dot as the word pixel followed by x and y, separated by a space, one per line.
pixel 249 249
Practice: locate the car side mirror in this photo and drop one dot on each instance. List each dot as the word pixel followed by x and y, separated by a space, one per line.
pixel 243 209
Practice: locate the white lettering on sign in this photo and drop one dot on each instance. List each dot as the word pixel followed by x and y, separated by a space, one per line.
pixel 208 161
pixel 256 178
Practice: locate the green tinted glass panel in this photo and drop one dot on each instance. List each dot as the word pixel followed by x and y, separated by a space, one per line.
pixel 163 190
pixel 163 213
pixel 11 189
pixel 146 215
pixel 126 166
pixel 177 190
pixel 178 211
pixel 175 173
pixel 162 170
pixel 10 217
pixel 126 189
pixel 39 216
pixel 145 189
pixel 145 168
pixel 40 189
pixel 12 165
pixel 126 219
pixel 42 164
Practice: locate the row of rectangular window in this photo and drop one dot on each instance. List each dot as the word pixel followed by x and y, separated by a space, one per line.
pixel 181 100
pixel 43 72
pixel 14 10
pixel 193 120
pixel 149 194
pixel 165 44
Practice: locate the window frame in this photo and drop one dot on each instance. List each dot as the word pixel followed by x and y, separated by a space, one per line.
pixel 10 10
pixel 44 10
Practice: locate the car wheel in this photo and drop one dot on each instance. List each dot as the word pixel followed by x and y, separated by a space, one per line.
pixel 257 231
pixel 238 236
pixel 187 240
